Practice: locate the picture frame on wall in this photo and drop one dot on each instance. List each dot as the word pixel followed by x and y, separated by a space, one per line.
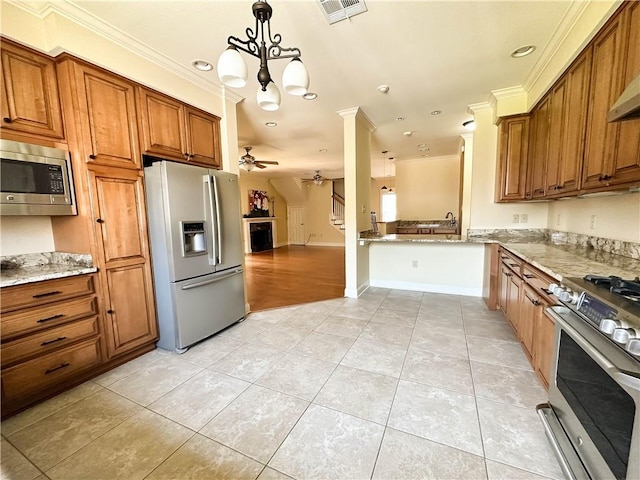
pixel 258 203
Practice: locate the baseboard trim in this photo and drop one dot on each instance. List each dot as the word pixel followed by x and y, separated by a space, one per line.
pixel 427 287
pixel 356 292
pixel 325 244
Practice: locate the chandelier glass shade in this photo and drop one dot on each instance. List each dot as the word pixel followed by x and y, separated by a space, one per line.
pixel 232 69
pixel 248 166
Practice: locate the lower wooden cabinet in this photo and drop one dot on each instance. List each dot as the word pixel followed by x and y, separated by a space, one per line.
pixel 521 297
pixel 50 335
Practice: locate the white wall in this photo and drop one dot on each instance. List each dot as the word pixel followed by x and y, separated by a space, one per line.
pixel 25 235
pixel 317 214
pixel 455 268
pixel 427 188
pixel 617 216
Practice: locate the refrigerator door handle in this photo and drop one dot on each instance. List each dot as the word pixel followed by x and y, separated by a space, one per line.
pixel 213 259
pixel 214 280
pixel 218 223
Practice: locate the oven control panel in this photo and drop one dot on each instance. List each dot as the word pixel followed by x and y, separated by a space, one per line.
pixel 594 310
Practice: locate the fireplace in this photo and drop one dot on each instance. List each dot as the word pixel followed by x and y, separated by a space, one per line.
pixel 261 236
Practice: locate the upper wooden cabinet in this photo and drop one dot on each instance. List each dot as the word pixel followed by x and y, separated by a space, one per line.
pixel 512 165
pixel 105 109
pixel 171 129
pixel 573 149
pixel 30 100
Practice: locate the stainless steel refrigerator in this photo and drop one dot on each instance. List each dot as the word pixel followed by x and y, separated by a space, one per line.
pixel 196 249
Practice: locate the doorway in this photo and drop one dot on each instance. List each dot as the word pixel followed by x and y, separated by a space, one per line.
pixel 295 224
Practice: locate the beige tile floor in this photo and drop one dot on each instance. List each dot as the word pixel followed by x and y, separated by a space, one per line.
pixel 393 385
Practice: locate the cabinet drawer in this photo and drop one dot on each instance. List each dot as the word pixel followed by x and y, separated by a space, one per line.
pixel 538 281
pixel 32 294
pixel 52 339
pixel 408 230
pixel 38 318
pixel 511 261
pixel 51 369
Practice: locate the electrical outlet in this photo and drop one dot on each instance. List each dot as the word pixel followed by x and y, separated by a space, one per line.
pixel 558 220
pixel 364 209
pixel 592 223
pixel 524 218
pixel 516 218
pixel 414 263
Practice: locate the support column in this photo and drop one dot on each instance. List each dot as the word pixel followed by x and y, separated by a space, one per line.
pixel 357 186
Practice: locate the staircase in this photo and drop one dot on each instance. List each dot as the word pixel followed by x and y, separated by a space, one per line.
pixel 337 212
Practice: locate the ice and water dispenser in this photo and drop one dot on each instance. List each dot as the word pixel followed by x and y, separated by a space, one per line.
pixel 194 239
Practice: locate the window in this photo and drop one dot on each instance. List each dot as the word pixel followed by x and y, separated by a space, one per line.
pixel 388 206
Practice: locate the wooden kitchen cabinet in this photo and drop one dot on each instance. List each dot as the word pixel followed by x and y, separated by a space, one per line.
pixel 171 129
pixel 612 152
pixel 543 344
pixel 512 158
pixel 50 336
pixel 30 100
pixel 123 252
pixel 103 107
pixel 539 150
pixel 530 308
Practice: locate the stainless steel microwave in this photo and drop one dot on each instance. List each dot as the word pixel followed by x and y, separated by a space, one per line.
pixel 35 180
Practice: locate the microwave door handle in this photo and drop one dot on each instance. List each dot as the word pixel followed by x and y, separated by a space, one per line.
pixel 218 224
pixel 211 209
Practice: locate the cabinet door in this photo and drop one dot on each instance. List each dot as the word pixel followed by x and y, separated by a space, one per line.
pixel 163 125
pixel 30 100
pixel 577 81
pixel 108 110
pixel 123 248
pixel 130 312
pixel 538 161
pixel 513 301
pixel 203 145
pixel 606 79
pixel 627 161
pixel 530 307
pixel 503 288
pixel 512 166
pixel 544 343
pixel 555 135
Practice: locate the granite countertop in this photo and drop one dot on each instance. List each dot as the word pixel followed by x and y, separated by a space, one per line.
pixel 36 267
pixel 557 259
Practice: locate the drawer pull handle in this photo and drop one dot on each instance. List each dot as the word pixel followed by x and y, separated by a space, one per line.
pixel 514 265
pixel 48 319
pixel 535 302
pixel 528 275
pixel 7 120
pixel 51 370
pixel 99 220
pixel 92 157
pixel 59 339
pixel 48 294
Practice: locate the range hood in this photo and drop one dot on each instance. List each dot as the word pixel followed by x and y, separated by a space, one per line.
pixel 627 107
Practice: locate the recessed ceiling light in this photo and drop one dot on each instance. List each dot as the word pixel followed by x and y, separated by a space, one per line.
pixel 422 145
pixel 523 51
pixel 436 112
pixel 383 88
pixel 425 155
pixel 310 96
pixel 271 124
pixel 202 65
pixel 322 150
pixel 423 149
pixel 399 119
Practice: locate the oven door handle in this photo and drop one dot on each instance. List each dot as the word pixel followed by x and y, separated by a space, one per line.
pixel 626 378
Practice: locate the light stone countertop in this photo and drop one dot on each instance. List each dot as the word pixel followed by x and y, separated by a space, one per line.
pixel 37 267
pixel 558 260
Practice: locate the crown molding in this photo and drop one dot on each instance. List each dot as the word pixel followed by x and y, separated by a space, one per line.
pixel 359 114
pixel 478 107
pixel 87 20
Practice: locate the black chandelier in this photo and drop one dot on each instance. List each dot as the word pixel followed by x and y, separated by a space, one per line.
pixel 232 69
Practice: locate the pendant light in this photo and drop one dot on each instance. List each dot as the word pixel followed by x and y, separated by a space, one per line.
pixel 384 167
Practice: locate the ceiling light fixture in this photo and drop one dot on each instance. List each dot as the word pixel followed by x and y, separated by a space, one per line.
pixel 322 150
pixel 310 96
pixel 399 119
pixel 523 51
pixel 383 88
pixel 232 69
pixel 436 112
pixel 469 125
pixel 248 166
pixel 384 167
pixel 271 124
pixel 202 65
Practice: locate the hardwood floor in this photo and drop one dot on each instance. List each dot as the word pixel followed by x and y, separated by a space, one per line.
pixel 294 274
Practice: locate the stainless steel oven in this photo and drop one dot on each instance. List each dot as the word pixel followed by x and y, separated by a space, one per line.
pixel 593 414
pixel 35 180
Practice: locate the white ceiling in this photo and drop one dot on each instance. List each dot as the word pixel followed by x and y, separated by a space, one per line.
pixel 434 55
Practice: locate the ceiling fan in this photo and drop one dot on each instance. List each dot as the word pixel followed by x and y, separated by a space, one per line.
pixel 248 161
pixel 317 179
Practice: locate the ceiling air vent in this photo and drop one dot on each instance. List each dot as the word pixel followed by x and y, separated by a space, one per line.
pixel 336 10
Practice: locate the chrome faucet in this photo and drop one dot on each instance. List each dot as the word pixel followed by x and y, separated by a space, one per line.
pixel 453 218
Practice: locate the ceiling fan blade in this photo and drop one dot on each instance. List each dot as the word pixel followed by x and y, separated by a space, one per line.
pixel 267 162
pixel 259 165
